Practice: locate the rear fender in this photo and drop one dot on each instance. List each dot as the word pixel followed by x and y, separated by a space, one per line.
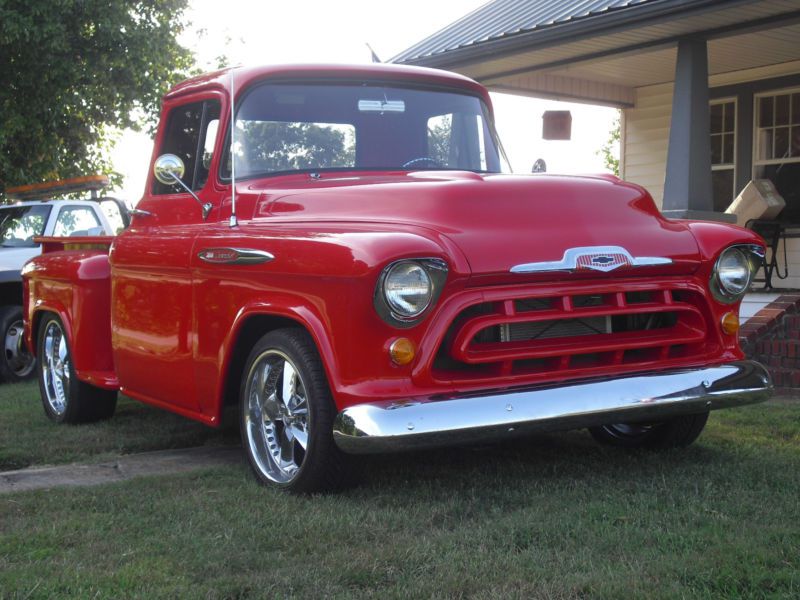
pixel 76 286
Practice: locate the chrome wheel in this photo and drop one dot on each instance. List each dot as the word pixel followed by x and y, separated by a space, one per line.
pixel 277 418
pixel 18 359
pixel 55 368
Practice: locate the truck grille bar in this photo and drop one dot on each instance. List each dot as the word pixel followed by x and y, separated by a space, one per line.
pixel 574 333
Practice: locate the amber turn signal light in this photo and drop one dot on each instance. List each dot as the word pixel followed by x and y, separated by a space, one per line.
pixel 730 323
pixel 402 351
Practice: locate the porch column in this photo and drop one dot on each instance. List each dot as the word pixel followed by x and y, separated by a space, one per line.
pixel 687 186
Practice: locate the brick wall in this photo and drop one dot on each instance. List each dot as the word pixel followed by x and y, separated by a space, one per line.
pixel 772 337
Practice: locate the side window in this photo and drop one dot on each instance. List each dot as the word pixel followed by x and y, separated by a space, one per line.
pixel 77 221
pixel 191 132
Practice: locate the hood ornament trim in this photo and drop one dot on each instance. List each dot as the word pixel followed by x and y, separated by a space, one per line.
pixel 592 258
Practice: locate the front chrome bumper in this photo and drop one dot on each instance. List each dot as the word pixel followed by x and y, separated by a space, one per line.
pixel 395 425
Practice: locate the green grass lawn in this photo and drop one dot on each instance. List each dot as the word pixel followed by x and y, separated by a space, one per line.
pixel 28 438
pixel 555 516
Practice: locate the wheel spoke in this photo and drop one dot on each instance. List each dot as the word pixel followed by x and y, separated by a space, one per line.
pixel 62 349
pixel 299 434
pixel 297 405
pixel 289 382
pixel 287 448
pixel 48 348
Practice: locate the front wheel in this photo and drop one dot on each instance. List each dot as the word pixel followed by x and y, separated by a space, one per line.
pixel 676 432
pixel 65 398
pixel 16 363
pixel 287 415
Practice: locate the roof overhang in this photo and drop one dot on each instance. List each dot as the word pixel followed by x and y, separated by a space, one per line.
pixel 603 58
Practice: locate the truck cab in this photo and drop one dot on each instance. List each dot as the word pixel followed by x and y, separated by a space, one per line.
pixel 342 253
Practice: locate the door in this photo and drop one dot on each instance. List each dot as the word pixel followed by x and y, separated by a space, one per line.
pixel 152 309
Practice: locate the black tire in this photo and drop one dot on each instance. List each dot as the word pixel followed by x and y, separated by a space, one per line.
pixel 285 362
pixel 16 363
pixel 677 432
pixel 65 398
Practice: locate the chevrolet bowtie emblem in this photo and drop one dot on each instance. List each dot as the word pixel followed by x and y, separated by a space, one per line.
pixel 596 258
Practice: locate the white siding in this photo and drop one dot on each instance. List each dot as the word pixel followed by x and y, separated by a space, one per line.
pixel 646 138
pixel 644 147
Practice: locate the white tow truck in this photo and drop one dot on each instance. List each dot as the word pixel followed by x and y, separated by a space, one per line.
pixel 36 212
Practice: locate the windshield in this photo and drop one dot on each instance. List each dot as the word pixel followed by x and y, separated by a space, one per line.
pixel 19 224
pixel 317 127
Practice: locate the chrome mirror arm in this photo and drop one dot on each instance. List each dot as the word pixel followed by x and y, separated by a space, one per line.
pixel 205 207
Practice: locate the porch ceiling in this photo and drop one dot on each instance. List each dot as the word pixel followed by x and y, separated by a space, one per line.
pixel 606 67
pixel 611 80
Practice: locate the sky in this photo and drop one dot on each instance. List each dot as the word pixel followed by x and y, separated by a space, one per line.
pixel 324 31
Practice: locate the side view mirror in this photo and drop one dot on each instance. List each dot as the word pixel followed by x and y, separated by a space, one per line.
pixel 169 169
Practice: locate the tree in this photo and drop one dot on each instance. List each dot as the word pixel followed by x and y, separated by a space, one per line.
pixel 610 150
pixel 73 70
pixel 267 146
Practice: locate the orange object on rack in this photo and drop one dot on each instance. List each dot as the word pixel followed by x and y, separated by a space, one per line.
pixel 48 189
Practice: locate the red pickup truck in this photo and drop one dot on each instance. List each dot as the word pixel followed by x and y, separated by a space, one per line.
pixel 352 265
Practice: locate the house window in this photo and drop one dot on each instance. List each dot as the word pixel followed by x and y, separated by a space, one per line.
pixel 723 152
pixel 777 147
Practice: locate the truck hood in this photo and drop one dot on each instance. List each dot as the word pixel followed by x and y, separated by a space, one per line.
pixel 499 221
pixel 13 259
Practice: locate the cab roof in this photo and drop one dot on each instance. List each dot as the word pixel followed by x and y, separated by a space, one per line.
pixel 243 77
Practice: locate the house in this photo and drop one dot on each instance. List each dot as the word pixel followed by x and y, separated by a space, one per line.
pixel 709 90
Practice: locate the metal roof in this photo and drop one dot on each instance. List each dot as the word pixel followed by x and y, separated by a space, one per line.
pixel 506 18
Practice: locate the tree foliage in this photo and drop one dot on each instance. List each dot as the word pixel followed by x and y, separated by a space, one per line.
pixel 268 146
pixel 610 150
pixel 73 70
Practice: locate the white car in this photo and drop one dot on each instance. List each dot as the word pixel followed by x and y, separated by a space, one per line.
pixel 20 223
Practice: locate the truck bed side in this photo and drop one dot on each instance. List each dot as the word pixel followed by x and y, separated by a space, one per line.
pixel 74 284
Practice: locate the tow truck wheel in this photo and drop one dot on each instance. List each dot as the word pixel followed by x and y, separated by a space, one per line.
pixel 67 399
pixel 287 414
pixel 16 363
pixel 677 432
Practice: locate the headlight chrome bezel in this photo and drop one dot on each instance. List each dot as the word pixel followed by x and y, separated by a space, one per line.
pixel 435 268
pixel 752 254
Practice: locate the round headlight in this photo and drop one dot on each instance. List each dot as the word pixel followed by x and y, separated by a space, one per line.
pixel 733 272
pixel 408 289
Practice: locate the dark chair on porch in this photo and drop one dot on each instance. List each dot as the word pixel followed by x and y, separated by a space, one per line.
pixel 773 233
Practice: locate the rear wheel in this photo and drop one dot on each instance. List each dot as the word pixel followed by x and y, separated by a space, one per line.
pixel 677 432
pixel 65 398
pixel 287 415
pixel 16 363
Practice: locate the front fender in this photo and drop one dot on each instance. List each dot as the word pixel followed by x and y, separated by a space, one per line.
pixel 713 238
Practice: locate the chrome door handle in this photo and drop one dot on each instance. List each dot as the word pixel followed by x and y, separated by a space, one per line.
pixel 234 256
